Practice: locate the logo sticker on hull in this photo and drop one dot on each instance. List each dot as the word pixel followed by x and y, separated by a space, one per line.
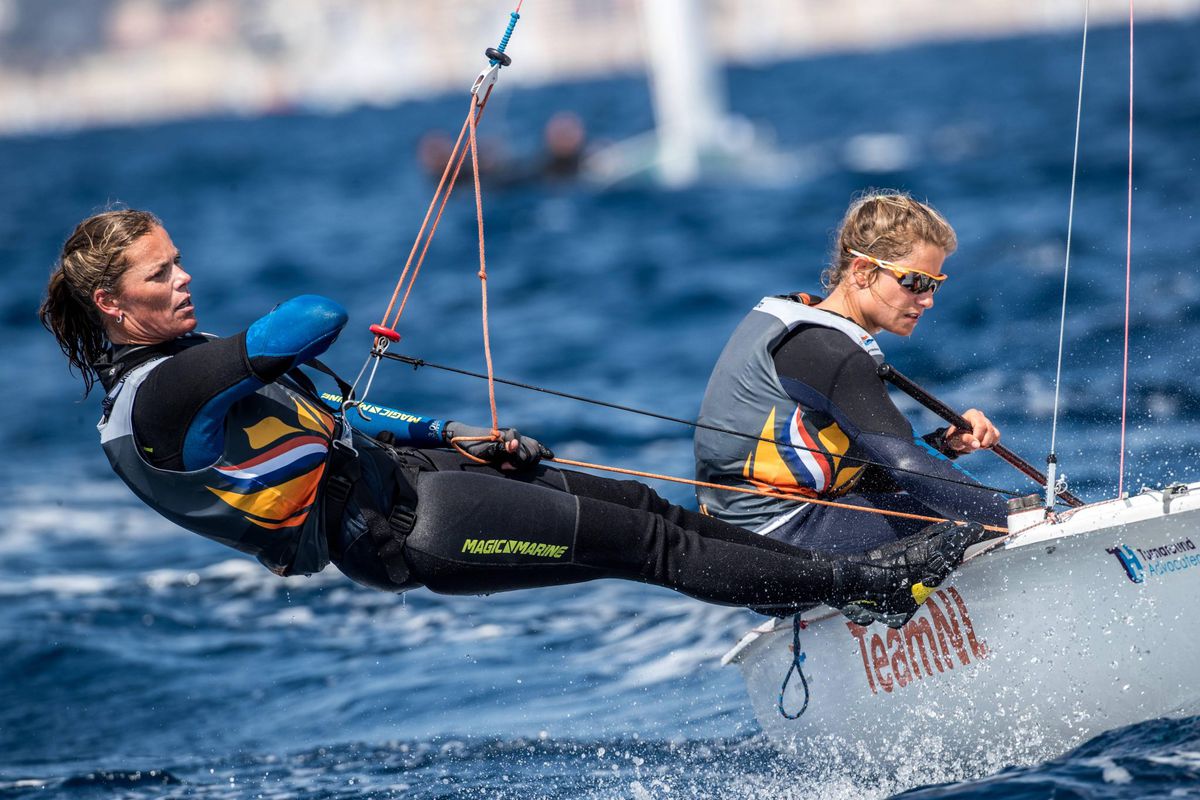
pixel 930 644
pixel 1156 562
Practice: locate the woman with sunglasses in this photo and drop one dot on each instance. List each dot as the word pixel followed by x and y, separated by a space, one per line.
pixel 798 380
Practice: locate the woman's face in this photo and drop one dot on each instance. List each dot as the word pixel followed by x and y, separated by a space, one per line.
pixel 153 294
pixel 884 303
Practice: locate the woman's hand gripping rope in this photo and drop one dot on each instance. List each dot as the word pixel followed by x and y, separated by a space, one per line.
pixel 505 448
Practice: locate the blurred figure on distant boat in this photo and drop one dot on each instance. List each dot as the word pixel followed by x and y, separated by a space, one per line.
pixel 563 137
pixel 800 372
pixel 229 438
pixel 435 148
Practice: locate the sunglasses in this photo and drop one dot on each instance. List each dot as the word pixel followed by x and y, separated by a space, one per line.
pixel 914 280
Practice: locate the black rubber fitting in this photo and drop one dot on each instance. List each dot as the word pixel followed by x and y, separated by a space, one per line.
pixel 495 55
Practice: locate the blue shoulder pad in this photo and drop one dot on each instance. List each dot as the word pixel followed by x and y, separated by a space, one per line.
pixel 300 329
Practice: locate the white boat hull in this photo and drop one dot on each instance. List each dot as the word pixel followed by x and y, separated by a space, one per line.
pixel 1027 651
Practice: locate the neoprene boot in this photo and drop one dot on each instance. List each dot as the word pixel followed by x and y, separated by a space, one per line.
pixel 889 584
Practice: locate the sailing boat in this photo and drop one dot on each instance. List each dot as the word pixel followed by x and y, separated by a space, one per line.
pixel 1077 622
pixel 1074 626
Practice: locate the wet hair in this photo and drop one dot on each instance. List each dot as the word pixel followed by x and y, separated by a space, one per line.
pixel 93 257
pixel 888 225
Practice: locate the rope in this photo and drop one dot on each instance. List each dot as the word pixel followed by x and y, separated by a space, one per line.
pixel 1128 266
pixel 470 125
pixel 457 156
pixel 424 224
pixel 424 238
pixel 487 343
pixel 765 491
pixel 797 666
pixel 1052 458
pixel 416 363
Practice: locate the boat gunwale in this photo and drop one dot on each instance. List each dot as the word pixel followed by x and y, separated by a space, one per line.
pixel 1146 505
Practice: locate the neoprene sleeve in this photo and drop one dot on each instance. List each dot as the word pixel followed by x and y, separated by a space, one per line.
pixel 822 369
pixel 409 430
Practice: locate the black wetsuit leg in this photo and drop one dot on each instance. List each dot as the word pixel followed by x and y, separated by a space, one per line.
pixel 844 531
pixel 480 531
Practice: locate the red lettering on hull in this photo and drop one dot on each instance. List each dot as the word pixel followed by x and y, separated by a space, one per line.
pixel 929 644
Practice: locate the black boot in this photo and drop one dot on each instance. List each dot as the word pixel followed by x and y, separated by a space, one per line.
pixel 889 584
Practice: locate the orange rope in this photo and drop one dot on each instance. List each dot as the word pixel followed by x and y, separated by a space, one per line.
pixel 424 223
pixel 487 343
pixel 773 492
pixel 458 155
pixel 454 164
pixel 462 451
pixel 445 199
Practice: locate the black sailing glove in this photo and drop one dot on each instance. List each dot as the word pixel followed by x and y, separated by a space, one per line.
pixel 889 584
pixel 526 453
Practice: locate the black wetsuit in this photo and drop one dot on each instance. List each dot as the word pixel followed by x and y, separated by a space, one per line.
pixel 476 530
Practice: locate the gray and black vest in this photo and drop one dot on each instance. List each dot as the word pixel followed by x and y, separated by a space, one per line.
pixel 261 496
pixel 745 395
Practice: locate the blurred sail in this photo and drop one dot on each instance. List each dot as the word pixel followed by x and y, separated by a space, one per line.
pixel 695 136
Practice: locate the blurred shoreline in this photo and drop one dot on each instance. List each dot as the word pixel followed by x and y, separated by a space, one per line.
pixel 70 64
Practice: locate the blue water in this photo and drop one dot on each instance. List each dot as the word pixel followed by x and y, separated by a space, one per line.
pixel 140 661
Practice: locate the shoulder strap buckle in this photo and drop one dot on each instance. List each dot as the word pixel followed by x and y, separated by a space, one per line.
pixel 402 520
pixel 337 489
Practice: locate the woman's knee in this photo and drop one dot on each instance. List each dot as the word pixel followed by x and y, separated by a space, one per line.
pixel 630 494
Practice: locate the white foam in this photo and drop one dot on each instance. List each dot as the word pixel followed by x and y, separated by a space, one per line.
pixel 878 152
pixel 1185 759
pixel 70 585
pixel 29 527
pixel 302 616
pixel 1110 771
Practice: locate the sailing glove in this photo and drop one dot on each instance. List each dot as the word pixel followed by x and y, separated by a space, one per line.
pixel 498 452
pixel 890 583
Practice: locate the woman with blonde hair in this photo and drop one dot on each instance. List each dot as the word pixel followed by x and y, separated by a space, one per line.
pixel 800 378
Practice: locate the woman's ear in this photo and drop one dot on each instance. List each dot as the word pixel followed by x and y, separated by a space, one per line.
pixel 860 273
pixel 106 303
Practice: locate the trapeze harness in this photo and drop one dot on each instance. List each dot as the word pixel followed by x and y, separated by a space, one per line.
pixel 745 394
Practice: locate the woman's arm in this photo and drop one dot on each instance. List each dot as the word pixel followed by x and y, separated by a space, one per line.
pixel 510 451
pixel 405 429
pixel 179 412
pixel 822 369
